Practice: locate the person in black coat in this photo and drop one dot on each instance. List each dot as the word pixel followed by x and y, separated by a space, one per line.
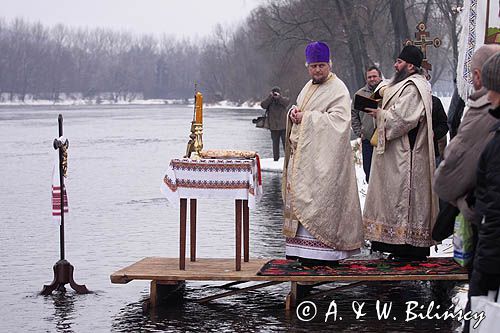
pixel 455 112
pixel 486 267
pixel 439 127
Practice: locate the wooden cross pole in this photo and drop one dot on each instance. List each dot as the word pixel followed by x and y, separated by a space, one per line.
pixel 63 270
pixel 421 41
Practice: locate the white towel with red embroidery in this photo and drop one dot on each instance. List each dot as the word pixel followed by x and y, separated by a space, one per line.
pixel 56 189
pixel 212 179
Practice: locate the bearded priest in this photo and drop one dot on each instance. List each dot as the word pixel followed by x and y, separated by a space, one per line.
pixel 400 207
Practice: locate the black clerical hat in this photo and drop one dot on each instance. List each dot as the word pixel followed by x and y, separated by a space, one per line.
pixel 412 55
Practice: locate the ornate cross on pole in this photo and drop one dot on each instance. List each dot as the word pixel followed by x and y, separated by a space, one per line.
pixel 63 270
pixel 422 42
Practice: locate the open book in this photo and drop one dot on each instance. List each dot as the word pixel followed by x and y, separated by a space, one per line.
pixel 362 102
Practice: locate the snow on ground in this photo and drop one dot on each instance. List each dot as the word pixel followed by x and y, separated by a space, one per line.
pixel 79 102
pixel 30 101
pixel 270 165
pixel 446 103
pixel 233 105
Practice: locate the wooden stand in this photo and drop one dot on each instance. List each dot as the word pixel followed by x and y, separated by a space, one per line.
pixel 63 274
pixel 241 214
pixel 63 270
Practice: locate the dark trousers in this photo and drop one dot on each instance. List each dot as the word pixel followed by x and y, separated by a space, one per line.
pixel 275 136
pixel 406 251
pixel 367 150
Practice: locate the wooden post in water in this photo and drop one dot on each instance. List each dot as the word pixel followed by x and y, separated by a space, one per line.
pixel 63 270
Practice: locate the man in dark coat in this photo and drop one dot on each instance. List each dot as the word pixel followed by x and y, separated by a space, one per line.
pixel 275 105
pixel 363 124
pixel 455 112
pixel 486 267
pixel 439 127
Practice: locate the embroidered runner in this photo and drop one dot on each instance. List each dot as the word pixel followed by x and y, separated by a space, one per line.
pixel 434 266
pixel 473 19
pixel 56 191
pixel 213 178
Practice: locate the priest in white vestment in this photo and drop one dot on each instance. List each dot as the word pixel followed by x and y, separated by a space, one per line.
pixel 323 221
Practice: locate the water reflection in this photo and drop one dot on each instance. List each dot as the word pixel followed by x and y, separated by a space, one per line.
pixel 252 312
pixel 263 311
pixel 64 310
pixel 266 221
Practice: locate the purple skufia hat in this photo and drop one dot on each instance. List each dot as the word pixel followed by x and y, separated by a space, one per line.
pixel 317 52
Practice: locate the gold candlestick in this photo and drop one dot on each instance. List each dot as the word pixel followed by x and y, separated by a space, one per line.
pixel 195 143
pixel 198 141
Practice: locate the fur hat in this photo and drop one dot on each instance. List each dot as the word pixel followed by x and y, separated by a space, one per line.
pixel 412 54
pixel 317 52
pixel 276 89
pixel 490 74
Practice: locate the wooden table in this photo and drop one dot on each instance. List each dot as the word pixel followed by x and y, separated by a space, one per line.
pixel 235 179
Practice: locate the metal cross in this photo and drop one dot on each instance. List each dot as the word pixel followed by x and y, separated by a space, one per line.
pixel 422 42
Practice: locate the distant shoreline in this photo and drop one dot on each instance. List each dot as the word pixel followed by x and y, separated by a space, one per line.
pixel 135 102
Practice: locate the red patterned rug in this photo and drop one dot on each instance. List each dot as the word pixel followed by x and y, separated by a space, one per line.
pixel 432 266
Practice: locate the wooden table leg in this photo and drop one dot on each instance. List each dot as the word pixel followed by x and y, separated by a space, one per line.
pixel 246 232
pixel 192 227
pixel 182 238
pixel 238 206
pixel 291 298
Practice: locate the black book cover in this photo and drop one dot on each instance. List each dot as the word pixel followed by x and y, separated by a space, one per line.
pixel 362 102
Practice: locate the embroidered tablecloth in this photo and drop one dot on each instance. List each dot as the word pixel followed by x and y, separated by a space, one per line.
pixel 213 178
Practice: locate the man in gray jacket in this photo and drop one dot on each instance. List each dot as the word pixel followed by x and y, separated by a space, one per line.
pixel 455 178
pixel 362 124
pixel 275 105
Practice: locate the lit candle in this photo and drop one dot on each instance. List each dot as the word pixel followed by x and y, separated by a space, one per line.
pixel 199 108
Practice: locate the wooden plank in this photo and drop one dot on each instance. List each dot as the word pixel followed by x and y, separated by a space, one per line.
pixel 229 285
pixel 238 206
pixel 161 289
pixel 192 227
pixel 182 234
pixel 159 268
pixel 237 291
pixel 329 291
pixel 246 232
pixel 291 298
pixel 153 294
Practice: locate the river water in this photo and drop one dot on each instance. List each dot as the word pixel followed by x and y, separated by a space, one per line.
pixel 117 157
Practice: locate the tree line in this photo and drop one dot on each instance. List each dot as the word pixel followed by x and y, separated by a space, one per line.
pixel 239 64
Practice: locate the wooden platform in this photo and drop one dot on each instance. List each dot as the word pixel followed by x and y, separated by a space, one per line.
pixel 166 269
pixel 158 268
pixel 164 272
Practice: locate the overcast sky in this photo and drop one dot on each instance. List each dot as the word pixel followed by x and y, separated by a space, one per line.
pixel 189 18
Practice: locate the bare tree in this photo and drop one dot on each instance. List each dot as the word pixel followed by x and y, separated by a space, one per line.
pixel 449 9
pixel 400 24
pixel 238 64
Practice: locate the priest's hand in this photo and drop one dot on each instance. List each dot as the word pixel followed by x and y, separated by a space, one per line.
pixel 372 112
pixel 296 115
